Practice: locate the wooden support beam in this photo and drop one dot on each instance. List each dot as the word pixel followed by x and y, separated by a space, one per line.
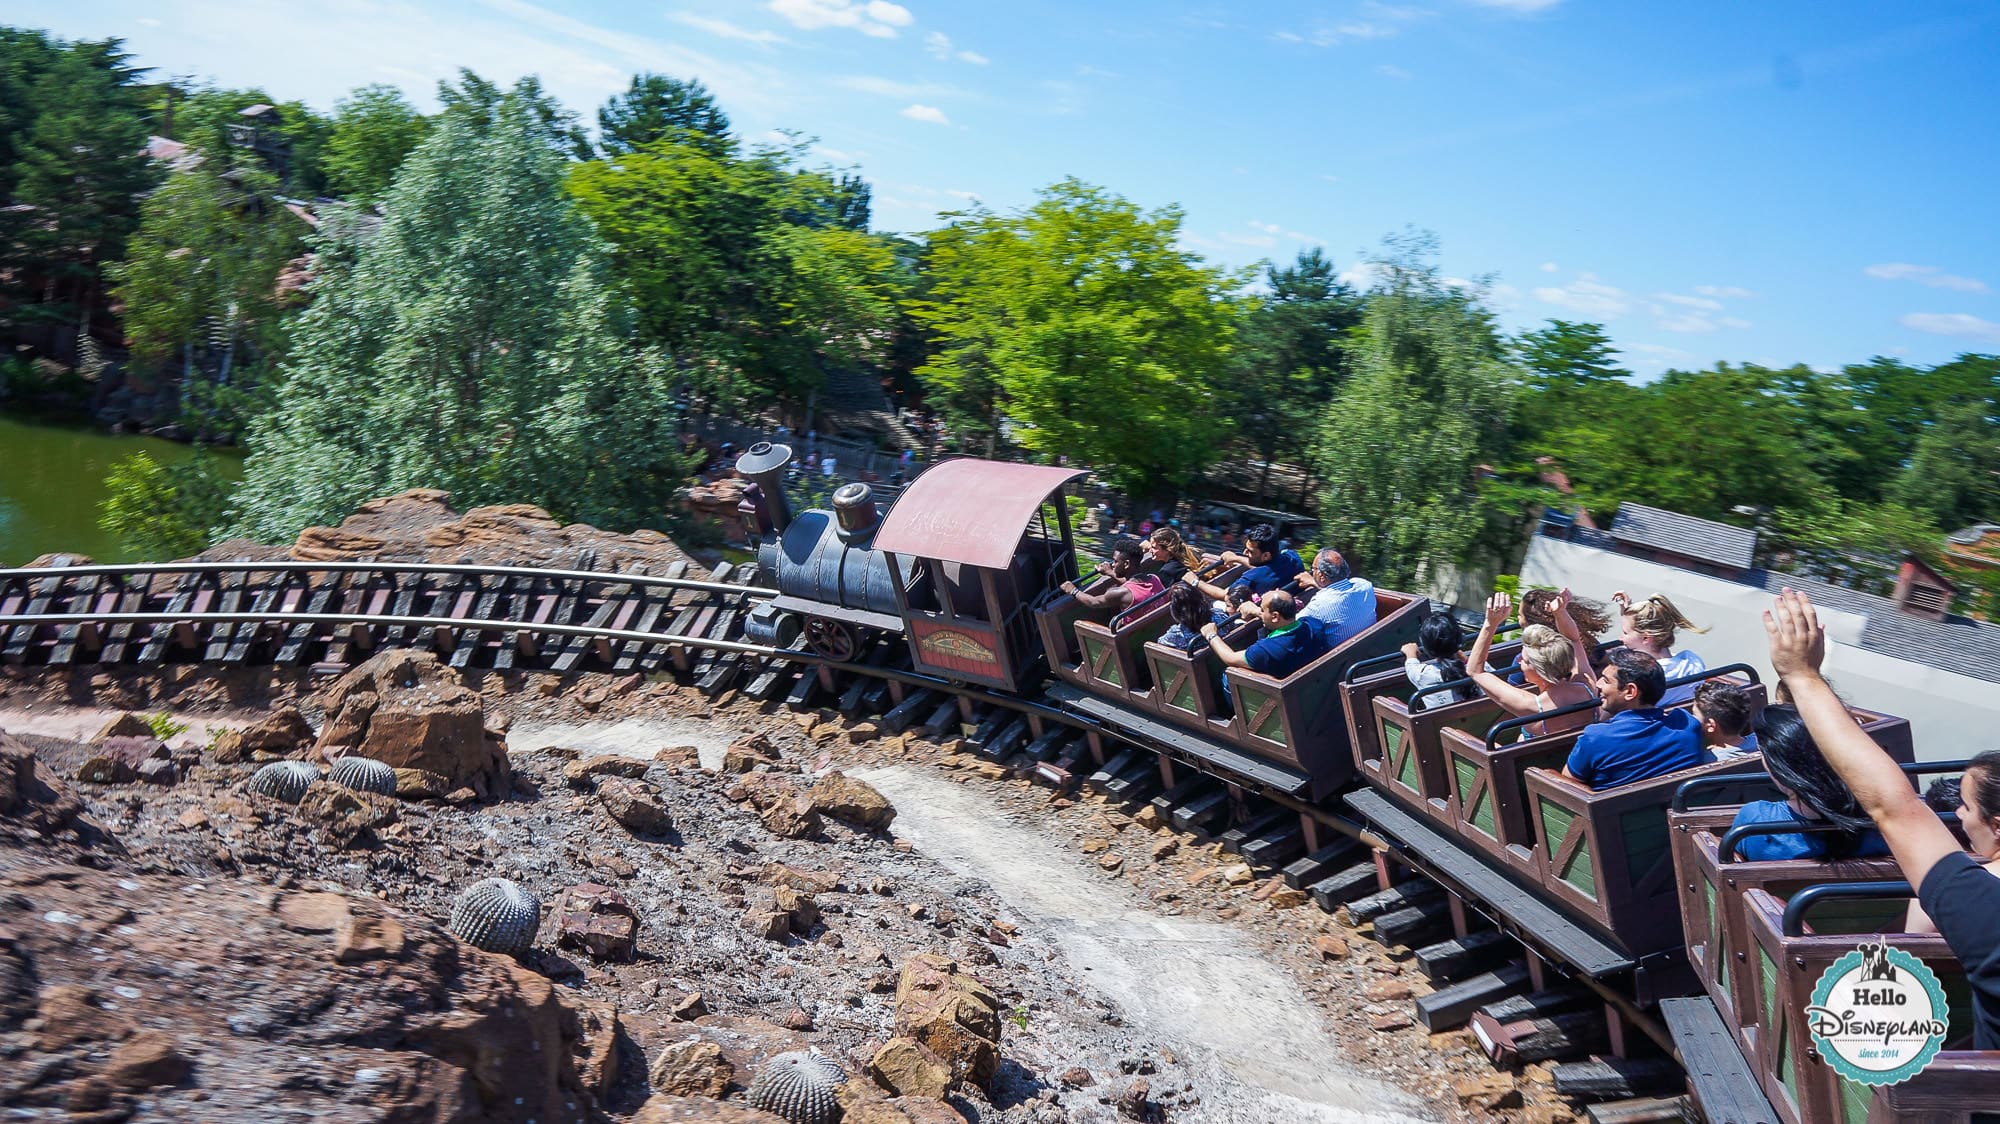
pixel 1454 1006
pixel 1303 872
pixel 1463 956
pixel 1343 886
pixel 1414 925
pixel 1608 1078
pixel 1644 1110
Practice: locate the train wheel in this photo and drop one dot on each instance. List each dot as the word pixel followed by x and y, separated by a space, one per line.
pixel 836 640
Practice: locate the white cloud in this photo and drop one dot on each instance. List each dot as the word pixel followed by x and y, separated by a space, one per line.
pixel 878 18
pixel 1390 70
pixel 1925 275
pixel 1724 292
pixel 1689 322
pixel 841 155
pixel 1587 295
pixel 1333 34
pixel 726 30
pixel 940 47
pixel 1330 178
pixel 1549 267
pixel 1518 7
pixel 1261 241
pixel 891 88
pixel 1706 304
pixel 927 113
pixel 1954 324
pixel 148 21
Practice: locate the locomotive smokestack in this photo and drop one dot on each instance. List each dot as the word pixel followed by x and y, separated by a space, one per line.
pixel 763 464
pixel 854 507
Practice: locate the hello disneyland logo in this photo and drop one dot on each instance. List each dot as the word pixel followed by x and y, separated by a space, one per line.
pixel 1877 1015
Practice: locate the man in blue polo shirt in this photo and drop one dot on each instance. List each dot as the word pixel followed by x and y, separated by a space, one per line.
pixel 1270 566
pixel 1637 739
pixel 1288 644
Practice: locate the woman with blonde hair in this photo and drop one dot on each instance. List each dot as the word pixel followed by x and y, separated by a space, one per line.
pixel 1556 664
pixel 1592 617
pixel 1649 627
pixel 1170 556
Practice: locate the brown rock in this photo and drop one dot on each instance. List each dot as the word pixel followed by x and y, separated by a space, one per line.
pixel 691 1067
pixel 420 784
pixel 126 725
pixel 771 924
pixel 311 913
pixel 1149 818
pixel 1239 874
pixel 346 814
pixel 1330 947
pixel 597 920
pixel 578 774
pixel 284 730
pixel 1386 991
pixel 678 757
pixel 1111 863
pixel 159 771
pixel 797 1019
pixel 688 1007
pixel 1287 898
pixel 1165 847
pixel 147 1059
pixel 1076 1077
pixel 954 1015
pixel 32 793
pixel 853 801
pixel 748 752
pixel 1394 1021
pixel 1094 846
pixel 597 1051
pixel 866 731
pixel 100 768
pixel 632 804
pixel 404 708
pixel 1136 1100
pixel 358 937
pixel 811 881
pixel 1488 1091
pixel 906 1067
pixel 792 819
pixel 803 910
pixel 70 1013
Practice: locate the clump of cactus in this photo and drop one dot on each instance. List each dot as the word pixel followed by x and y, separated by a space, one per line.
pixel 285 780
pixel 802 1086
pixel 498 916
pixel 365 774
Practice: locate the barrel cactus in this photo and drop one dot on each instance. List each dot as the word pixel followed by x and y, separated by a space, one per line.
pixel 497 915
pixel 802 1086
pixel 365 774
pixel 284 780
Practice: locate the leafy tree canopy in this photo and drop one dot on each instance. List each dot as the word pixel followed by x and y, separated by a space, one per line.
pixel 162 512
pixel 1568 353
pixel 656 108
pixel 475 343
pixel 1084 323
pixel 374 129
pixel 1291 357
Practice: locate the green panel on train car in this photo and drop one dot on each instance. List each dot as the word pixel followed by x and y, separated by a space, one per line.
pixel 1184 698
pixel 1480 814
pixel 1646 840
pixel 1556 823
pixel 1854 1098
pixel 1774 1023
pixel 1716 956
pixel 1392 744
pixel 1273 725
pixel 1097 655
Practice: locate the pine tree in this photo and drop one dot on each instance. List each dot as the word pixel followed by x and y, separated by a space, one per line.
pixel 476 342
pixel 658 108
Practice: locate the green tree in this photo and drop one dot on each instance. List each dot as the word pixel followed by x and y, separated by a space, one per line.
pixel 1084 323
pixel 480 102
pixel 657 107
pixel 475 343
pixel 81 167
pixel 1954 474
pixel 1404 444
pixel 290 140
pixel 164 512
pixel 1291 357
pixel 25 55
pixel 199 281
pixel 1568 353
pixel 1849 543
pixel 374 129
pixel 741 268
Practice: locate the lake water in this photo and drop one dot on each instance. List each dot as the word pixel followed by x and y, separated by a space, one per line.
pixel 52 484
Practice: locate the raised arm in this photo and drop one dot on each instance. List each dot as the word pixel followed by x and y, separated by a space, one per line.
pixel 1517 701
pixel 1798 644
pixel 1117 597
pixel 1226 655
pixel 1580 650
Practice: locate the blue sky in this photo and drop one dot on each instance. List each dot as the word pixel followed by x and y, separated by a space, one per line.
pixel 1767 182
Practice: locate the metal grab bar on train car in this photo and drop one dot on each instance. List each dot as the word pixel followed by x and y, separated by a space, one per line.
pixel 1594 701
pixel 1395 659
pixel 1734 837
pixel 1685 794
pixel 1794 922
pixel 1716 673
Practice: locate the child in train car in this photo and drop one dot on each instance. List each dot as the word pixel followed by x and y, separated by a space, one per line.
pixel 1188 608
pixel 1435 659
pixel 1978 791
pixel 1958 894
pixel 1650 627
pixel 1723 709
pixel 1813 794
pixel 1549 663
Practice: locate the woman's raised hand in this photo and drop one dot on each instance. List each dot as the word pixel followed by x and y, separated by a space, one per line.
pixel 1498 608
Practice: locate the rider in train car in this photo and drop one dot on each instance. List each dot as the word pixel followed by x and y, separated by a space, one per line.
pixel 1813 794
pixel 1958 895
pixel 1638 738
pixel 1287 645
pixel 1979 813
pixel 1132 586
pixel 1650 627
pixel 1549 665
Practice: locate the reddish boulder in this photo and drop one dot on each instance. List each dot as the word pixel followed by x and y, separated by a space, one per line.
pixel 409 711
pixel 597 920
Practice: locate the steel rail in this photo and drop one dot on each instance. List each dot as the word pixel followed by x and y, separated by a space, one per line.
pixel 611 577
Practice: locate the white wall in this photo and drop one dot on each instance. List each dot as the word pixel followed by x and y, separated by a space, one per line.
pixel 1950 715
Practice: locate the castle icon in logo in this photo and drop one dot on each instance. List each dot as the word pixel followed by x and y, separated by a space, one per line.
pixel 1875 964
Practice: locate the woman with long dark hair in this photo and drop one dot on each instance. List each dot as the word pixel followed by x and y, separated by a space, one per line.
pixel 1814 794
pixel 1434 660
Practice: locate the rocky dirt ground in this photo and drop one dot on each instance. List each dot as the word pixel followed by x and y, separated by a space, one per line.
pixel 720 882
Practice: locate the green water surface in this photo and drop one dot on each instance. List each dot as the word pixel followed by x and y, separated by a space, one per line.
pixel 52 484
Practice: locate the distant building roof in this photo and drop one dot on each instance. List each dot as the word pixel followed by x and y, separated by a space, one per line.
pixel 1685 534
pixel 1956 644
pixel 1978 545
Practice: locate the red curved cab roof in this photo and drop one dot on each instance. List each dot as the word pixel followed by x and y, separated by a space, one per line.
pixel 969 510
